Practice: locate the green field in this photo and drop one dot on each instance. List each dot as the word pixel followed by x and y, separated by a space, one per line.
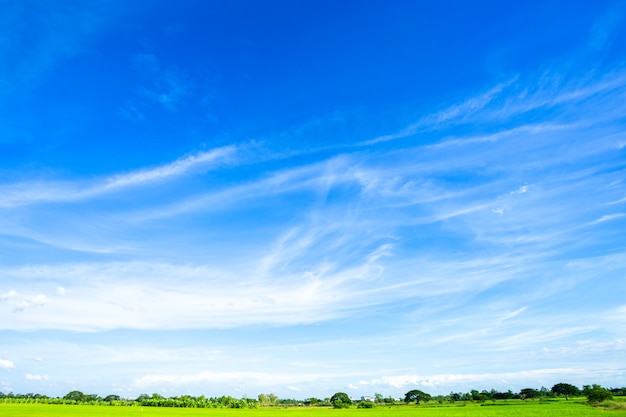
pixel 565 409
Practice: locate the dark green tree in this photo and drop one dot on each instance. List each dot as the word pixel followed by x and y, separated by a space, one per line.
pixel 312 401
pixel 478 396
pixel 416 396
pixel 340 400
pixel 567 390
pixel 597 394
pixel 365 404
pixel 528 393
pixel 75 396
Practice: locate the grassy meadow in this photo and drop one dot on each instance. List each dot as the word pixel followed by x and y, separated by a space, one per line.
pixel 491 409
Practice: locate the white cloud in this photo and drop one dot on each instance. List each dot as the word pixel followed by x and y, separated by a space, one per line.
pixel 6 364
pixel 608 217
pixel 36 301
pixel 514 313
pixel 7 295
pixel 620 201
pixel 521 190
pixel 516 377
pixel 36 377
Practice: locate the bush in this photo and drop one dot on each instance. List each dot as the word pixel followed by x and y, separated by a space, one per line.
pixel 597 394
pixel 340 400
pixel 365 404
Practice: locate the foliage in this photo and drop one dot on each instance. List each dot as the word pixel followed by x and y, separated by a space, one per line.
pixel 597 394
pixel 340 400
pixel 266 400
pixel 528 393
pixel 567 390
pixel 365 404
pixel 416 396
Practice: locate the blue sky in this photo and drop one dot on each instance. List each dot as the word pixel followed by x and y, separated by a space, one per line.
pixel 234 197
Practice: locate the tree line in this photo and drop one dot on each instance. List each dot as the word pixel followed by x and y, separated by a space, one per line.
pixel 594 394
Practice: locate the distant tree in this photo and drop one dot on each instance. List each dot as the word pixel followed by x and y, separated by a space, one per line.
pixel 567 390
pixel 528 393
pixel 416 396
pixel 110 398
pixel 312 401
pixel 597 394
pixel 91 397
pixel 365 404
pixel 142 398
pixel 378 398
pixel 74 396
pixel 503 395
pixel 389 400
pixel 340 400
pixel 479 396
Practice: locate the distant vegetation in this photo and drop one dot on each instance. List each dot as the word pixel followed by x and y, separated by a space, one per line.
pixel 594 394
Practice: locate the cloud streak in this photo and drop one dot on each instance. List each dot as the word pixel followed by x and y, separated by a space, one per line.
pixel 34 193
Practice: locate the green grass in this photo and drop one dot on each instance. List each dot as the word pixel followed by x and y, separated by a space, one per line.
pixel 500 409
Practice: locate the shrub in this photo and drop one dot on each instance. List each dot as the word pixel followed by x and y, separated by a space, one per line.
pixel 340 400
pixel 597 394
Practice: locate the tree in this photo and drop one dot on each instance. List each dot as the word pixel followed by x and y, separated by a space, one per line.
pixel 567 390
pixel 340 400
pixel 312 401
pixel 528 393
pixel 111 398
pixel 597 394
pixel 75 396
pixel 478 396
pixel 142 398
pixel 416 396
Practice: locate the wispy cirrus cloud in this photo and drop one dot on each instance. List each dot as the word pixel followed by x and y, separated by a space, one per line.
pixel 456 114
pixel 519 96
pixel 37 192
